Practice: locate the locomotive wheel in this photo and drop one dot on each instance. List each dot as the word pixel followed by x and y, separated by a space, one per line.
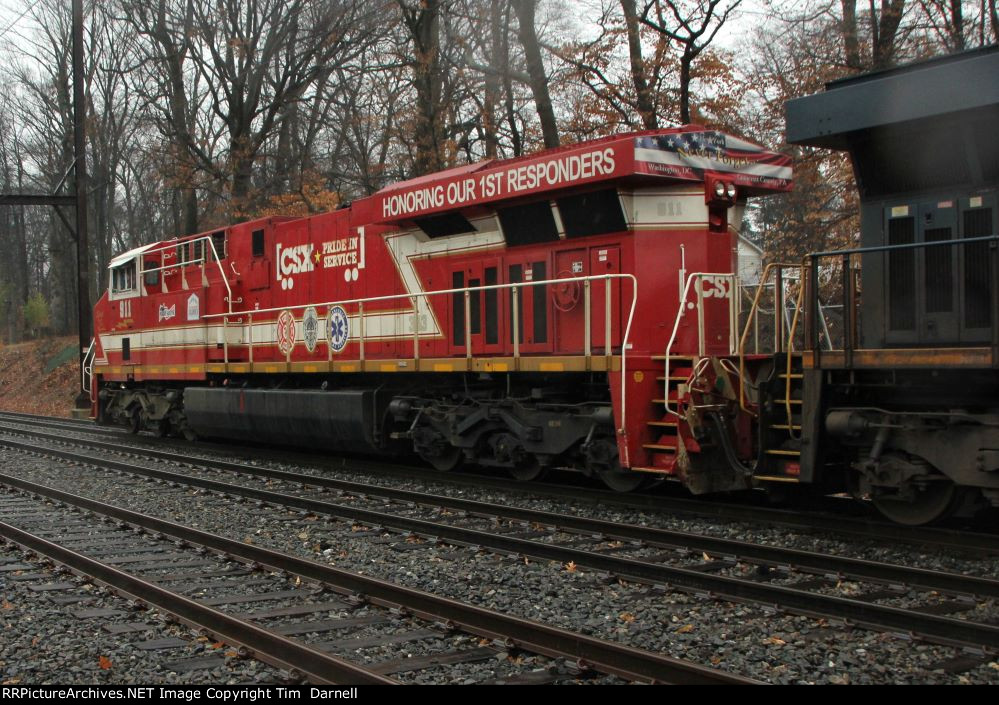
pixel 625 480
pixel 446 460
pixel 528 471
pixel 934 502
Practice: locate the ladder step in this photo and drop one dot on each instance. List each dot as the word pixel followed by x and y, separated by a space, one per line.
pixel 785 427
pixel 775 478
pixel 783 402
pixel 658 446
pixel 657 471
pixel 663 424
pixel 793 375
pixel 673 378
pixel 781 451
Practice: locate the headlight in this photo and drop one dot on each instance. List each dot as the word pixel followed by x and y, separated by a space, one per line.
pixel 719 189
pixel 730 190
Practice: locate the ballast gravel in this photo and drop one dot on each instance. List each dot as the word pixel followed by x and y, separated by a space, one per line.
pixel 744 639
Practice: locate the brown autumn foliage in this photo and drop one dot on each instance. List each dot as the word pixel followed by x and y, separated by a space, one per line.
pixel 24 385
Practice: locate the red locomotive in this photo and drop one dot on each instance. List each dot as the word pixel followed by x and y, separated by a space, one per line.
pixel 515 314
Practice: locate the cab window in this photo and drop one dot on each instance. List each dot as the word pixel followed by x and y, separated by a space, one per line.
pixel 151 278
pixel 123 278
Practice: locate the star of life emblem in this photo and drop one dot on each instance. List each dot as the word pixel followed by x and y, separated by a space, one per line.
pixel 339 328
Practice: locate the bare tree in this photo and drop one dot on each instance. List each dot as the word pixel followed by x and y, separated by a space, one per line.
pixel 422 21
pixel 528 34
pixel 693 24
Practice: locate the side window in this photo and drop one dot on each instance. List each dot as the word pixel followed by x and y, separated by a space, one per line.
pixel 258 243
pixel 151 278
pixel 218 242
pixel 123 278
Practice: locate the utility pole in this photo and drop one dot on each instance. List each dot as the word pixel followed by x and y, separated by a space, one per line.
pixel 86 327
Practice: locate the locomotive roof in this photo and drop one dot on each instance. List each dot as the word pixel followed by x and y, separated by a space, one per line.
pixel 942 90
pixel 125 256
pixel 910 128
pixel 681 154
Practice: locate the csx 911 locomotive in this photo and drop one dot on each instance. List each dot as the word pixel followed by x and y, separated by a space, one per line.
pixel 579 308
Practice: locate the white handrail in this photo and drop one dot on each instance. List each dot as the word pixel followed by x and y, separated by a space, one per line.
pixel 87 371
pixel 466 292
pixel 733 314
pixel 173 244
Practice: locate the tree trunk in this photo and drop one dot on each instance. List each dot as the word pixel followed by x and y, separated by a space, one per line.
pixel 536 69
pixel 511 114
pixel 493 86
pixel 956 26
pixel 685 62
pixel 851 44
pixel 424 28
pixel 887 30
pixel 643 96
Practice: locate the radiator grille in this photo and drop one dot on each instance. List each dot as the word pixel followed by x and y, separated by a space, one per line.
pixel 901 275
pixel 977 287
pixel 939 272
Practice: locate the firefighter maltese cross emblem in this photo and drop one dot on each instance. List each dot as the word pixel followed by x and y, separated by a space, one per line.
pixel 339 328
pixel 286 333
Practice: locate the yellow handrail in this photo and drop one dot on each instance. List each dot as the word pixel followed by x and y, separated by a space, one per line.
pixel 753 312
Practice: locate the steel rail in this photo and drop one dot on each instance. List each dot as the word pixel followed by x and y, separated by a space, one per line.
pixel 267 646
pixel 949 539
pixel 944 629
pixel 604 656
pixel 773 555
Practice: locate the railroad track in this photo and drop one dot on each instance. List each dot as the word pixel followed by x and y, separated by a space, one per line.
pixel 920 602
pixel 227 589
pixel 964 541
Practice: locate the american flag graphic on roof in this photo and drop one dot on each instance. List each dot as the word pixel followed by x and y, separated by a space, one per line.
pixel 688 155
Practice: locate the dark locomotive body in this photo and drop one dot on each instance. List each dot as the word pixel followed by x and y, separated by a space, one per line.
pixel 909 395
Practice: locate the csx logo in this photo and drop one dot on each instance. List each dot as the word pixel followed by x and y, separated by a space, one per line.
pixel 715 287
pixel 291 261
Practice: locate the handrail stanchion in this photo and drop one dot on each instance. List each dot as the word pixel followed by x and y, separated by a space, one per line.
pixel 847 313
pixel 225 341
pixel 699 288
pixel 814 312
pixel 416 331
pixel 587 328
pixel 468 324
pixel 994 285
pixel 607 317
pixel 360 333
pixel 779 311
pixel 515 299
